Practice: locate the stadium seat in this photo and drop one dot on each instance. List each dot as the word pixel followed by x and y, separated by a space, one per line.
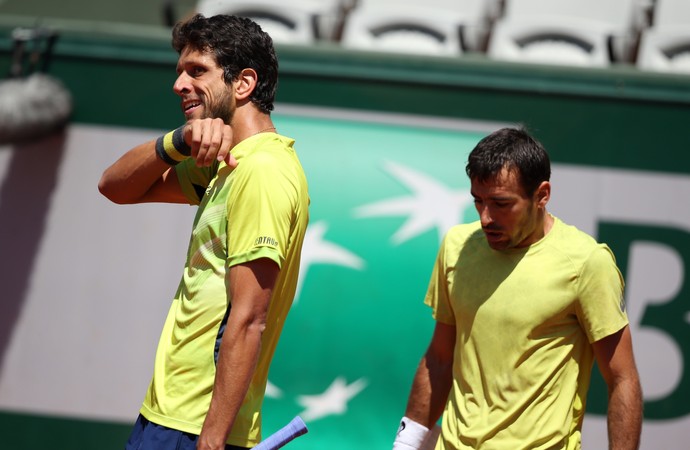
pixel 437 27
pixel 292 22
pixel 665 46
pixel 590 33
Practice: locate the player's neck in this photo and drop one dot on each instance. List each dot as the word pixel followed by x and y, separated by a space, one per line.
pixel 248 121
pixel 548 222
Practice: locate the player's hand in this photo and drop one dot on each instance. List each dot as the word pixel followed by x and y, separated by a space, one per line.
pixel 210 140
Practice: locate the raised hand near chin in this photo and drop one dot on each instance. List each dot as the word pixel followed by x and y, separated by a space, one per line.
pixel 210 140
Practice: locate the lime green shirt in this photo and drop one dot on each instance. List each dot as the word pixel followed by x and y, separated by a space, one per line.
pixel 257 210
pixel 525 320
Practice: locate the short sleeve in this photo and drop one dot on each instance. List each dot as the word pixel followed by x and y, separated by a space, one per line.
pixel 194 180
pixel 601 306
pixel 261 208
pixel 437 295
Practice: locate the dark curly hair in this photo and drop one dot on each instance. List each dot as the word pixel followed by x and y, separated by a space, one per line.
pixel 237 43
pixel 514 149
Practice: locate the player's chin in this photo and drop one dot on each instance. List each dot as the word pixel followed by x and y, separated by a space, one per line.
pixel 191 116
pixel 496 240
pixel 493 239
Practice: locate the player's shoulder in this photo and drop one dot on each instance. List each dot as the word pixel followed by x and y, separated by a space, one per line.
pixel 577 245
pixel 464 229
pixel 270 152
pixel 268 146
pixel 570 235
pixel 463 234
pixel 265 151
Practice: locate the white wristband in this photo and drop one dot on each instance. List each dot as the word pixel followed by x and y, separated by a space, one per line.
pixel 410 435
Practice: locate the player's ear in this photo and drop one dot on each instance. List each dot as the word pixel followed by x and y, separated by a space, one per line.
pixel 245 83
pixel 543 194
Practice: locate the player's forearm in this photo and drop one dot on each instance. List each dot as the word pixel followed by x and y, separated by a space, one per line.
pixel 250 288
pixel 129 178
pixel 429 391
pixel 237 359
pixel 625 414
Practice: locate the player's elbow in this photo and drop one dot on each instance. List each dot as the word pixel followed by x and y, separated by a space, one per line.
pixel 258 327
pixel 113 191
pixel 108 192
pixel 256 322
pixel 248 322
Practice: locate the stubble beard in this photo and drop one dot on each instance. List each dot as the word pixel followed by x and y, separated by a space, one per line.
pixel 223 108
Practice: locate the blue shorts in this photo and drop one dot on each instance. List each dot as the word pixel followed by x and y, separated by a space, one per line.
pixel 147 435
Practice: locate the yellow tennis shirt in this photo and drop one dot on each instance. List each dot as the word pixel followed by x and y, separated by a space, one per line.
pixel 257 210
pixel 525 320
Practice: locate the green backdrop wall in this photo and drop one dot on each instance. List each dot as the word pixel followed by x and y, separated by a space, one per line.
pixel 379 136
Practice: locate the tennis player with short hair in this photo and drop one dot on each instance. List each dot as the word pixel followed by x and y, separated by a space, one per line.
pixel 240 277
pixel 524 304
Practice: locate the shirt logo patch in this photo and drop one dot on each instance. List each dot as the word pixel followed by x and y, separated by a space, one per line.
pixel 266 240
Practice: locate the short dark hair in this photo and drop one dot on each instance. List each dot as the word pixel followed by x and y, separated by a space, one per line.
pixel 237 43
pixel 514 149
